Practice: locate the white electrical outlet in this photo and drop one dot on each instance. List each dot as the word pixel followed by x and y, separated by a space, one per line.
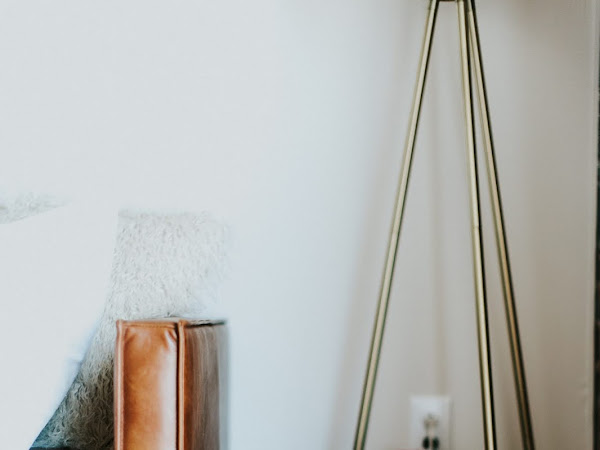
pixel 422 406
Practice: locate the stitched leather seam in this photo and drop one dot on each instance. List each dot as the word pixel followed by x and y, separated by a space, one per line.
pixel 180 384
pixel 173 325
pixel 119 387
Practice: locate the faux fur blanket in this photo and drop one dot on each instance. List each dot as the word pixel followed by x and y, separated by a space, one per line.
pixel 164 265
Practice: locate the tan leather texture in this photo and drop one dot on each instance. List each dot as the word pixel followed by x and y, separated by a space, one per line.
pixel 170 385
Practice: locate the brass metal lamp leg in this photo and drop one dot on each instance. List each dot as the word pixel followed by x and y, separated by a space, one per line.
pixel 485 369
pixel 384 295
pixel 496 201
pixel 470 61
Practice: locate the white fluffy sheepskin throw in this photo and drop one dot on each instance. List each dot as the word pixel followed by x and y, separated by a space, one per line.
pixel 15 205
pixel 164 265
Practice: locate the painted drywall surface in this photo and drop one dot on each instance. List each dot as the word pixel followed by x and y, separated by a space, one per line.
pixel 287 118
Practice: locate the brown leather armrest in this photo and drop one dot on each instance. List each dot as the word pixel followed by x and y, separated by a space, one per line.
pixel 170 385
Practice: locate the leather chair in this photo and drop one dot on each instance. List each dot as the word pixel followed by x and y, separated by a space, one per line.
pixel 170 385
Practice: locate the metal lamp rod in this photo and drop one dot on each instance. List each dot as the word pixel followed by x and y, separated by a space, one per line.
pixel 388 273
pixel 485 364
pixel 504 262
pixel 470 63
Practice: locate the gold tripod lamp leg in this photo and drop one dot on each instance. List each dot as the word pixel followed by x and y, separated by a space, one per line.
pixel 507 285
pixel 384 295
pixel 470 62
pixel 485 369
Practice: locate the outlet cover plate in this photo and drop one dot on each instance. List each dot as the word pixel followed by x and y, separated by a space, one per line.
pixel 420 407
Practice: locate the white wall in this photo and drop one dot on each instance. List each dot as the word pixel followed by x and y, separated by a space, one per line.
pixel 286 118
